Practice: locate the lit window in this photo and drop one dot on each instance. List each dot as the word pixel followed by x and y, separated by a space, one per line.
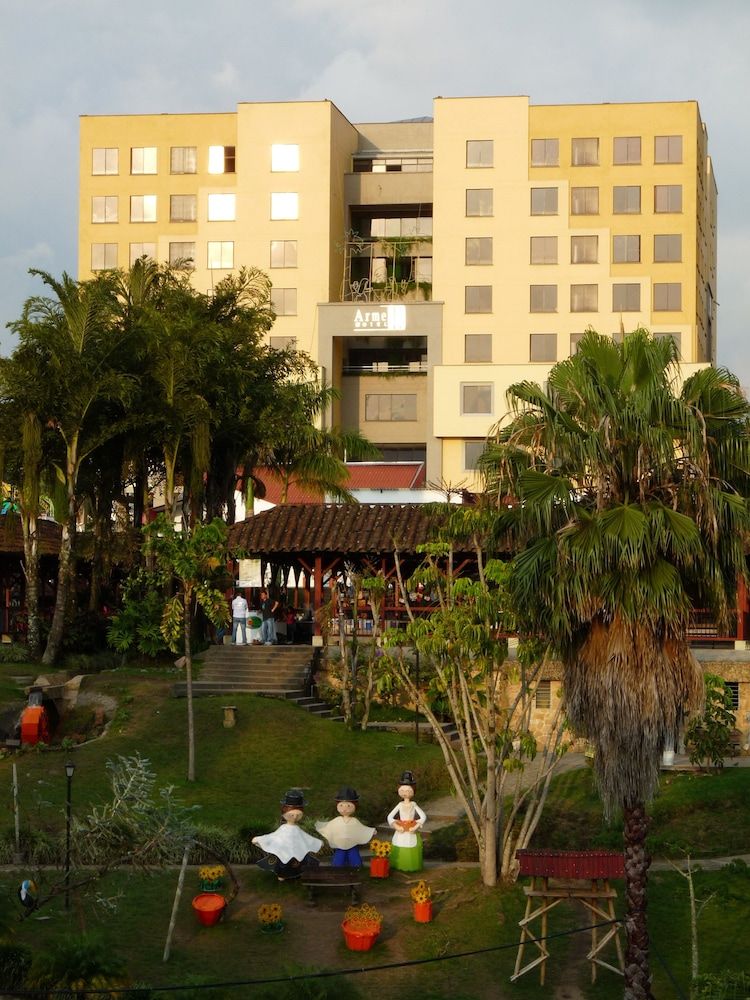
pixel 138 250
pixel 473 451
pixel 220 255
pixel 182 253
pixel 668 247
pixel 104 208
pixel 544 201
pixel 390 406
pixel 284 301
pixel 476 398
pixel 543 347
pixel 543 298
pixel 143 208
pixel 221 159
pixel 668 198
pixel 221 208
pixel 479 152
pixel 626 249
pixel 667 296
pixel 284 157
pixel 103 256
pixel 478 348
pixel 627 149
pixel 283 253
pixel 543 695
pixel 626 199
pixel 105 160
pixel 478 249
pixel 668 149
pixel 584 249
pixel 183 160
pixel 626 297
pixel 545 152
pixel 283 343
pixel 543 249
pixel 479 201
pixel 143 160
pixel 284 205
pixel 478 298
pixel 584 201
pixel 182 207
pixel 584 298
pixel 584 152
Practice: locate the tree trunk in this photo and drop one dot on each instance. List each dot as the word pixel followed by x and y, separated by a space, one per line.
pixel 31 573
pixel 97 569
pixel 189 686
pixel 637 860
pixel 65 563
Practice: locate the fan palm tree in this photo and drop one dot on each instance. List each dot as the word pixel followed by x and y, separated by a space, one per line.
pixel 626 500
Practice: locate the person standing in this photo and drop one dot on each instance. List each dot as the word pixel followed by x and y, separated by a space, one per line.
pixel 239 617
pixel 268 606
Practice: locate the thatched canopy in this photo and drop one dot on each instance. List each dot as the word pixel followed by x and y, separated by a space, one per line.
pixel 11 536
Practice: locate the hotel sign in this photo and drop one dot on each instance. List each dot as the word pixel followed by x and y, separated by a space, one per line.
pixel 381 318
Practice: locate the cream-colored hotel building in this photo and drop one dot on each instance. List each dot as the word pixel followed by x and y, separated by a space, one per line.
pixel 425 264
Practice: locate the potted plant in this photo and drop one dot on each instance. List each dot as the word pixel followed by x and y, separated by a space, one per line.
pixel 209 907
pixel 211 877
pixel 270 918
pixel 379 865
pixel 421 896
pixel 361 926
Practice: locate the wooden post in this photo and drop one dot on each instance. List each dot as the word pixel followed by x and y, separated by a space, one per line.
pixel 176 904
pixel 230 716
pixel 318 594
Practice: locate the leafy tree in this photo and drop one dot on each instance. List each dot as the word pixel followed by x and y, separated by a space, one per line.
pixel 709 736
pixel 138 623
pixel 625 498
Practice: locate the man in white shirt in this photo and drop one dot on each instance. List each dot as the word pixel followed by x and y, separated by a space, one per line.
pixel 239 618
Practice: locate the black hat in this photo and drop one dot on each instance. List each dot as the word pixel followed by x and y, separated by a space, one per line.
pixel 347 794
pixel 294 797
pixel 407 778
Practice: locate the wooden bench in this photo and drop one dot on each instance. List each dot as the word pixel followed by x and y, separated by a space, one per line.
pixel 330 877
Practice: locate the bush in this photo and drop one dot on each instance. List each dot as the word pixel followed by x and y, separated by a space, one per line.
pixel 85 632
pixel 15 963
pixel 91 663
pixel 722 986
pixel 14 652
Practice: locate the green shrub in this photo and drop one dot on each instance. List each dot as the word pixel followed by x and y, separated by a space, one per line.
pixel 15 963
pixel 14 652
pixel 722 986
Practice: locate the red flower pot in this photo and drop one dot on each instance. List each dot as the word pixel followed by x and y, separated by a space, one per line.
pixel 380 868
pixel 423 912
pixel 209 907
pixel 359 940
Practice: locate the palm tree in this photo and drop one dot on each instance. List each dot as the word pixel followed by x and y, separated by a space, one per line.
pixel 626 500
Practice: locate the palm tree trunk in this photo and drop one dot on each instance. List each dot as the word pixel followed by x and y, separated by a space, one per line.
pixel 189 685
pixel 31 573
pixel 637 861
pixel 65 560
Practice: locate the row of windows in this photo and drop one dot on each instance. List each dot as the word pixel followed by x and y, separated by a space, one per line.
pixel 626 200
pixel 184 207
pixel 220 253
pixel 626 297
pixel 584 152
pixel 583 249
pixel 542 346
pixel 105 160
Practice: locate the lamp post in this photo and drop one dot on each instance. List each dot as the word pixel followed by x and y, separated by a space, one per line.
pixel 69 770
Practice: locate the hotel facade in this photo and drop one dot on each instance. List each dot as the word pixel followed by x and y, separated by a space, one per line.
pixel 426 265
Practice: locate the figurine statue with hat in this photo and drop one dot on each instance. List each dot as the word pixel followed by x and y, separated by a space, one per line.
pixel 345 833
pixel 406 819
pixel 289 846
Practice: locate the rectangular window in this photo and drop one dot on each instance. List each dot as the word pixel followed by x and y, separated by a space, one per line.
pixel 473 451
pixel 626 199
pixel 183 160
pixel 104 208
pixel 284 157
pixel 627 149
pixel 479 152
pixel 543 347
pixel 667 296
pixel 575 339
pixel 476 397
pixel 390 406
pixel 284 301
pixel 545 152
pixel 283 253
pixel 183 207
pixel 138 250
pixel 143 208
pixel 584 249
pixel 668 197
pixel 478 348
pixel 584 152
pixel 220 255
pixel 478 250
pixel 668 149
pixel 544 201
pixel 182 253
pixel 676 338
pixel 542 298
pixel 543 249
pixel 103 256
pixel 221 207
pixel 543 695
pixel 143 160
pixel 584 201
pixel 668 248
pixel 284 205
pixel 221 159
pixel 282 343
pixel 479 201
pixel 478 298
pixel 626 249
pixel 105 160
pixel 733 687
pixel 584 298
pixel 626 297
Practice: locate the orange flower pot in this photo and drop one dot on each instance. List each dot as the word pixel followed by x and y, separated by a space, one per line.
pixel 209 907
pixel 359 939
pixel 423 912
pixel 380 868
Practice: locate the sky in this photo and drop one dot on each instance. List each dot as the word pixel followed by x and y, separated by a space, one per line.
pixel 60 59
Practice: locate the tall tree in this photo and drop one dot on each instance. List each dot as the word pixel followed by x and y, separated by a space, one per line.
pixel 627 498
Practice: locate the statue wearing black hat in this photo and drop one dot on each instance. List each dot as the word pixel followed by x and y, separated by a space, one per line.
pixel 406 819
pixel 289 846
pixel 345 834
